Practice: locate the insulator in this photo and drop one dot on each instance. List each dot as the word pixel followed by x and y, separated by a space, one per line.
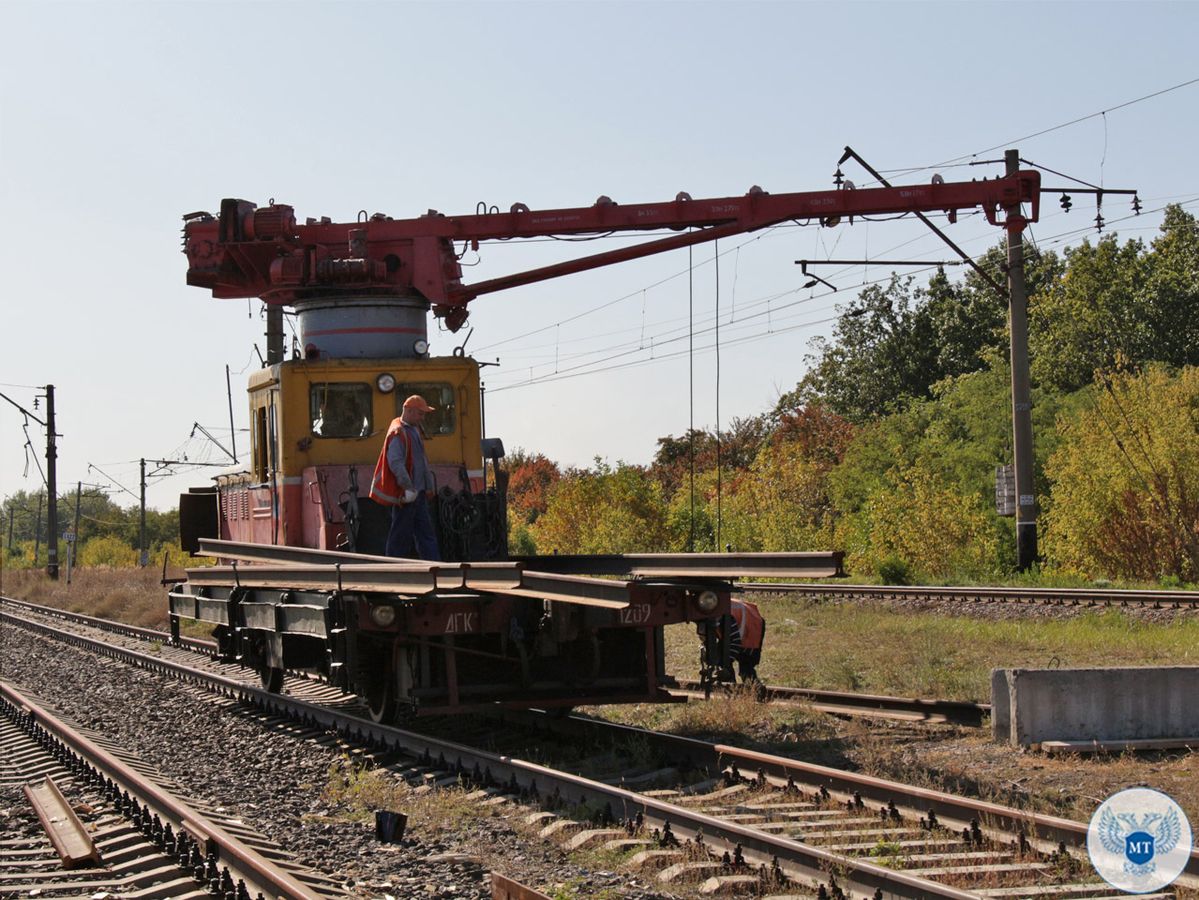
pixel 838 177
pixel 1099 221
pixel 1066 202
pixel 1136 205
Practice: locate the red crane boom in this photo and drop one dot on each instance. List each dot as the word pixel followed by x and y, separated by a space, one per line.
pixel 250 252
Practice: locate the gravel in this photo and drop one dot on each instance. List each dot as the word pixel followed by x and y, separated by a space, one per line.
pixel 273 781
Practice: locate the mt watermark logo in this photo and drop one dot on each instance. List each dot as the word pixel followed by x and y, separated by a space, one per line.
pixel 1139 840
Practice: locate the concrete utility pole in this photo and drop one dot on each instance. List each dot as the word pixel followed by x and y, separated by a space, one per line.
pixel 143 558
pixel 73 544
pixel 274 334
pixel 1026 499
pixel 51 488
pixel 37 532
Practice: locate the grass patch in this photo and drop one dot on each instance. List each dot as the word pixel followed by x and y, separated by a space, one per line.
pixel 734 716
pixel 879 649
pixel 356 791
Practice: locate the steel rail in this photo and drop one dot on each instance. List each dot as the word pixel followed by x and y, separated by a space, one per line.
pixel 694 565
pixel 1064 596
pixel 961 712
pixel 642 565
pixel 1040 829
pixel 252 866
pixel 813 863
pixel 66 833
pixel 133 631
pixel 420 581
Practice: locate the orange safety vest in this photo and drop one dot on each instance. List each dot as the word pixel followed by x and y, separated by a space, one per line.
pixel 385 489
pixel 750 623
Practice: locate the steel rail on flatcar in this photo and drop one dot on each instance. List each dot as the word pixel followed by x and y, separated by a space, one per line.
pixel 417 636
pixel 981 594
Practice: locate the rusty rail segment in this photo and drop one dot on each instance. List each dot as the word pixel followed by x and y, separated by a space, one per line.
pixel 67 835
pixel 418 581
pixel 225 858
pixel 959 712
pixel 1064 596
pixel 504 888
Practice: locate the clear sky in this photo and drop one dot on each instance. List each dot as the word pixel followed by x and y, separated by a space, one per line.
pixel 118 118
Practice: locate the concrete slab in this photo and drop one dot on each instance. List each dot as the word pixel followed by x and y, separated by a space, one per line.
pixel 1119 746
pixel 593 836
pixel 688 871
pixel 655 859
pixel 1112 704
pixel 721 885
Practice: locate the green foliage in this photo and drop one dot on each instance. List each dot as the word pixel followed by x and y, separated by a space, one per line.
pixel 1119 304
pixel 107 550
pixel 98 517
pixel 1126 479
pixel 520 540
pixel 897 341
pixel 927 523
pixel 603 510
pixel 894 570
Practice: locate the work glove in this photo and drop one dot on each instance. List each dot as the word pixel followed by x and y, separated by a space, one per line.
pixel 409 496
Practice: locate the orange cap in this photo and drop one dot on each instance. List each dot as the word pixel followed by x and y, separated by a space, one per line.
pixel 416 401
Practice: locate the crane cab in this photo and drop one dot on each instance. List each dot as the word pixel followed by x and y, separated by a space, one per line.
pixel 317 428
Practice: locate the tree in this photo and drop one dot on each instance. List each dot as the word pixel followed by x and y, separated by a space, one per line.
pixel 879 358
pixel 820 435
pixel 897 341
pixel 606 510
pixel 1125 479
pixel 530 478
pixel 1090 318
pixel 732 449
pixel 921 520
pixel 1120 305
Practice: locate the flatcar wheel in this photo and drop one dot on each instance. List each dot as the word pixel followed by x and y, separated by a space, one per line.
pixel 380 700
pixel 272 678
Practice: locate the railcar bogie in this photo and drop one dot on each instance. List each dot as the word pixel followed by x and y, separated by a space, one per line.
pixel 454 649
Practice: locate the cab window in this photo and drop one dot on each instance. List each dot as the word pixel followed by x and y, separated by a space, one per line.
pixel 340 410
pixel 438 394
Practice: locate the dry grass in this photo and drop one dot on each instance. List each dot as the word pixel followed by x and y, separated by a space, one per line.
pixel 133 596
pixel 732 716
pixel 356 791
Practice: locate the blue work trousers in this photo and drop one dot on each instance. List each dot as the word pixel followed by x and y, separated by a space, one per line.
pixel 412 535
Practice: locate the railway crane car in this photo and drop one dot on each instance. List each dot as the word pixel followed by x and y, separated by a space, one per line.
pixel 302 583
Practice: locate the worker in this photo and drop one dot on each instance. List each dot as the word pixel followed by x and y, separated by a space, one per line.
pixel 404 481
pixel 745 637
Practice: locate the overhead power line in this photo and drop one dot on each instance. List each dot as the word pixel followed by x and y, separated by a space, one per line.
pixel 1028 137
pixel 617 355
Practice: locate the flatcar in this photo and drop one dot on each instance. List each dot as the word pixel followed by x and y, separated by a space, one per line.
pixel 304 585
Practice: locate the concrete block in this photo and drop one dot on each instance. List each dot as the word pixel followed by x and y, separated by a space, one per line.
pixel 1113 704
pixel 1001 706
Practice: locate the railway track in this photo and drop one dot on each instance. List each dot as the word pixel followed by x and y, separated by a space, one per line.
pixel 133 836
pixel 957 712
pixel 1086 597
pixel 750 822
